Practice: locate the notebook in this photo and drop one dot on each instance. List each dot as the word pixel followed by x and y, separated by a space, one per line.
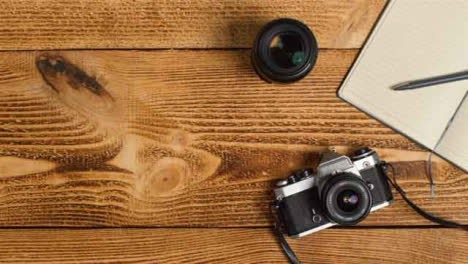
pixel 414 40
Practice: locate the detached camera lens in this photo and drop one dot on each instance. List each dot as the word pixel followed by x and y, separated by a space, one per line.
pixel 347 199
pixel 285 51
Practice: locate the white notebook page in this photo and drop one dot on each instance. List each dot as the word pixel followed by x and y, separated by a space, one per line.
pixel 454 144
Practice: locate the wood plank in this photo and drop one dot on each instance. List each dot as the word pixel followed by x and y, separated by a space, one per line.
pixel 39 24
pixel 441 246
pixel 182 138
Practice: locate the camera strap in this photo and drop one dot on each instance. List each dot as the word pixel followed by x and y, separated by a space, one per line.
pixel 419 210
pixel 279 235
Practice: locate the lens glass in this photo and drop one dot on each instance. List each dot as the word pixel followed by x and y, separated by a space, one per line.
pixel 287 50
pixel 348 200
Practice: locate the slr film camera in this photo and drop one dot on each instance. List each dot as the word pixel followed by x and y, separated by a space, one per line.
pixel 343 191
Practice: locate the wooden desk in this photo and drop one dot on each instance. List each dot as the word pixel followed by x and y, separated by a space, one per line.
pixel 166 148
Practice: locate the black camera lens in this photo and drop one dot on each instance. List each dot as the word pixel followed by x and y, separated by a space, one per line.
pixel 347 199
pixel 285 51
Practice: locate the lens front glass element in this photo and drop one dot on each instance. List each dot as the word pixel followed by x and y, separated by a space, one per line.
pixel 348 200
pixel 287 50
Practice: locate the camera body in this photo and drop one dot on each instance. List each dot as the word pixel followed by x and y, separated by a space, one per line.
pixel 343 190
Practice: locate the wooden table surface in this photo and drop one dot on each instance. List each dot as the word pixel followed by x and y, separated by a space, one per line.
pixel 164 144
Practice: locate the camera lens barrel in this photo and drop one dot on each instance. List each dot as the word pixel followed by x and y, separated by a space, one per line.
pixel 285 51
pixel 347 199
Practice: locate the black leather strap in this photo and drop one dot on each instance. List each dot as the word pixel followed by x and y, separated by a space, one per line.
pixel 282 240
pixel 286 248
pixel 421 212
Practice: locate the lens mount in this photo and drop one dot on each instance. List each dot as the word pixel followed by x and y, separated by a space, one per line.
pixel 346 199
pixel 285 50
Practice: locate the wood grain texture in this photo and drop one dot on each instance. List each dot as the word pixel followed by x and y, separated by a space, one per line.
pixel 412 246
pixel 40 24
pixel 182 138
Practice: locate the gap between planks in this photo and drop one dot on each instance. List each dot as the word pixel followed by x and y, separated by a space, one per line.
pixel 232 246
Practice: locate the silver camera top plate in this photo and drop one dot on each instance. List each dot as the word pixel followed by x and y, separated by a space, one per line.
pixel 294 188
pixel 367 162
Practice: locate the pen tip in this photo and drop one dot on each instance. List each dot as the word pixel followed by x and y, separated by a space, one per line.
pixel 400 87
